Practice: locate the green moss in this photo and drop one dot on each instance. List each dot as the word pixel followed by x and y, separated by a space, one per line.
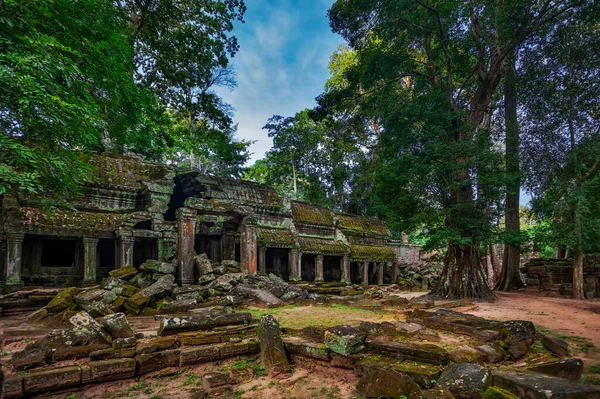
pixel 35 217
pixel 324 246
pixel 498 393
pixel 311 214
pixel 372 253
pixel 363 226
pixel 276 237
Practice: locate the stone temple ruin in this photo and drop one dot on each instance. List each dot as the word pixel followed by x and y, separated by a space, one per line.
pixel 171 274
pixel 136 211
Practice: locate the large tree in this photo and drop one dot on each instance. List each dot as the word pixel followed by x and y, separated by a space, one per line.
pixel 453 54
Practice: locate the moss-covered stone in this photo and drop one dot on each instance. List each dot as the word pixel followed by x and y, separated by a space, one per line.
pixel 123 273
pixel 498 393
pixel 63 300
pixel 344 340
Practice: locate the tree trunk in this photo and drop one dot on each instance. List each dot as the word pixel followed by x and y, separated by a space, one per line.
pixel 496 265
pixel 578 289
pixel 510 279
pixel 294 173
pixel 463 275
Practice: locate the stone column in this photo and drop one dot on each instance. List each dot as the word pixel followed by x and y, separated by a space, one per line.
pixel 248 248
pixel 394 267
pixel 14 258
pixel 126 251
pixel 262 260
pixel 380 273
pixel 186 234
pixel 365 275
pixel 294 262
pixel 319 268
pixel 90 246
pixel 346 269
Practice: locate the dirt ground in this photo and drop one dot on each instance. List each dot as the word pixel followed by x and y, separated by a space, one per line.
pixel 578 322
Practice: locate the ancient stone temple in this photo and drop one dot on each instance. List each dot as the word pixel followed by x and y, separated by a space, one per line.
pixel 135 211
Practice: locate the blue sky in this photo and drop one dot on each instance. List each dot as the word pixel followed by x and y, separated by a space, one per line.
pixel 281 65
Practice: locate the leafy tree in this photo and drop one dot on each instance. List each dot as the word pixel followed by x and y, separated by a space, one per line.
pixel 434 68
pixel 561 84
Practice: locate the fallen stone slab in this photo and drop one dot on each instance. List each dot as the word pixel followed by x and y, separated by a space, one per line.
pixel 344 340
pixel 198 355
pixel 305 348
pixel 530 385
pixel 111 353
pixel 234 349
pixel 570 369
pixel 86 323
pixel 558 346
pixel 218 334
pixel 51 379
pixel 175 324
pixel 211 309
pixel 178 306
pixel 261 296
pixel 272 353
pixel 156 266
pixel 381 383
pixel 494 353
pixel 117 326
pixel 203 264
pixel 162 286
pixel 213 381
pixel 62 300
pixel 12 387
pixel 157 360
pixel 424 374
pixel 419 352
pixel 107 370
pixel 76 352
pixel 465 380
pixel 498 393
pixel 123 273
pixel 346 362
pixel 466 354
pixel 438 393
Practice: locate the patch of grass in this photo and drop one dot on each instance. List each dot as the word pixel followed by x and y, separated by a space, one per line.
pixel 594 369
pixel 589 381
pixel 586 347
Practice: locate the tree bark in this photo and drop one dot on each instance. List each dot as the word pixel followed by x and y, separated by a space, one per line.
pixel 578 288
pixel 510 279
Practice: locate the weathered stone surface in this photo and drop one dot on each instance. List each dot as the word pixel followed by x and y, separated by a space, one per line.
pixel 117 326
pixel 419 352
pixel 141 280
pixel 76 352
pixel 261 296
pixel 465 380
pixel 62 300
pixel 203 265
pixel 155 266
pixel 494 353
pixel 112 353
pixel 521 334
pixel 123 273
pixel 179 306
pixel 84 322
pixel 121 343
pixel 558 346
pixel 212 309
pixel 272 352
pixel 234 349
pixel 173 324
pixel 466 354
pixel 197 355
pixel 302 347
pixel 382 383
pixel 162 286
pixel 51 379
pixel 207 278
pixel 226 282
pixel 163 343
pixel 538 386
pixel 145 347
pixel 345 362
pixel 498 393
pixel 344 340
pixel 157 360
pixel 12 387
pixel 37 315
pixel 408 329
pixel 212 381
pixel 437 393
pixel 107 370
pixel 29 358
pixel 96 302
pixel 570 369
pixel 423 374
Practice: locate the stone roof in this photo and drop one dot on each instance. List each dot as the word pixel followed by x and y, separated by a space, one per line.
pixel 72 220
pixel 309 214
pixel 372 253
pixel 314 245
pixel 113 170
pixel 275 237
pixel 363 226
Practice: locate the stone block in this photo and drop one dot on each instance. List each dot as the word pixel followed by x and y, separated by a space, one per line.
pixel 381 383
pixel 76 352
pixel 419 352
pixel 84 322
pixel 62 300
pixel 345 362
pixel 312 350
pixel 107 370
pixel 51 379
pixel 465 380
pixel 213 381
pixel 494 353
pixel 157 360
pixel 12 387
pixel 531 385
pixel 197 355
pixel 437 393
pixel 498 393
pixel 466 354
pixel 570 369
pixel 233 349
pixel 28 359
pixel 111 353
pixel 344 340
pixel 117 326
pixel 558 346
pixel 123 273
pixel 272 353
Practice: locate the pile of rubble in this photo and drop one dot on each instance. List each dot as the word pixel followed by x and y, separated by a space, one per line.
pixel 418 276
pixel 152 290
